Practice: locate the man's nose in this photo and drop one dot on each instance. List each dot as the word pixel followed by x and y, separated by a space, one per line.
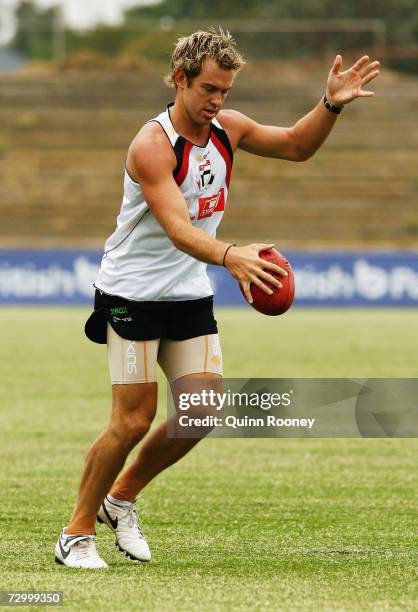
pixel 216 99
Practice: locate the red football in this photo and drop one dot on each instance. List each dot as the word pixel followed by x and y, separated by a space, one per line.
pixel 281 299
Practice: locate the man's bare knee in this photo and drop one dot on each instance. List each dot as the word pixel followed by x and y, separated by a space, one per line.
pixel 130 398
pixel 203 385
pixel 129 432
pixel 133 410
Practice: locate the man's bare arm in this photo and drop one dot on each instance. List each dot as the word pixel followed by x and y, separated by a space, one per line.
pixel 151 161
pixel 299 142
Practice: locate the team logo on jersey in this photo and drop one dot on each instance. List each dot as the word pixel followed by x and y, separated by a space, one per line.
pixel 206 176
pixel 211 204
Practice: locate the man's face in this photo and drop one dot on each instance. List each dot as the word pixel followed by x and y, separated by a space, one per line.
pixel 205 95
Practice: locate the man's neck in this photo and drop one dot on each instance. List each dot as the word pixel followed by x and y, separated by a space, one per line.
pixel 184 126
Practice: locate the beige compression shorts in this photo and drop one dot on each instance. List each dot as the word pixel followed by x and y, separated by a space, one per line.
pixel 135 361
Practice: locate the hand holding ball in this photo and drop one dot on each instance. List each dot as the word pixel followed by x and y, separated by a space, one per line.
pixel 281 299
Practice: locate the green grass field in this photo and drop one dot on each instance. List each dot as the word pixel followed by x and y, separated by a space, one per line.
pixel 261 524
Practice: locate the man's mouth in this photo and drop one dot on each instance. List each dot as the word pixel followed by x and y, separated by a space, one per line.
pixel 210 113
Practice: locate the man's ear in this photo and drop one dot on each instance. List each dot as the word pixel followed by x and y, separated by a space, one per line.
pixel 180 78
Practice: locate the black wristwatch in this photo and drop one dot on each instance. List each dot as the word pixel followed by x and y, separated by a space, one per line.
pixel 334 109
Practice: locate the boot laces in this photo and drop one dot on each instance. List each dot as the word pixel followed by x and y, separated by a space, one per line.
pixel 85 547
pixel 133 519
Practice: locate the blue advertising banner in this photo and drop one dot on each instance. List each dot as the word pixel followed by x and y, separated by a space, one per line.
pixel 322 278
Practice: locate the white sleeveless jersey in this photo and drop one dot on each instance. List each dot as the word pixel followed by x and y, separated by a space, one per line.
pixel 140 262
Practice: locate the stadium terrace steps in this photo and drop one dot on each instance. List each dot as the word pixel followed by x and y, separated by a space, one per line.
pixel 63 141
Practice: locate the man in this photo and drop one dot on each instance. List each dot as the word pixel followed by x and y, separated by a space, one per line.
pixel 153 298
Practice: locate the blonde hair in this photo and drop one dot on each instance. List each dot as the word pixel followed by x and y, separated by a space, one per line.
pixel 190 51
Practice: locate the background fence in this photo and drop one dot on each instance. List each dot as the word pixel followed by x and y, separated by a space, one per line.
pixel 322 279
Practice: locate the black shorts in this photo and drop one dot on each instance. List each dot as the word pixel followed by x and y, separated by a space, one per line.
pixel 149 320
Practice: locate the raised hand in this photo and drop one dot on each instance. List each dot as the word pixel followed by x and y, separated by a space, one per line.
pixel 343 87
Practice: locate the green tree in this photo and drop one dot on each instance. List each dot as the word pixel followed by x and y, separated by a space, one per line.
pixel 35 30
pixel 401 16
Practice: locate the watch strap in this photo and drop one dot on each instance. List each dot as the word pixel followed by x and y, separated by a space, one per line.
pixel 331 107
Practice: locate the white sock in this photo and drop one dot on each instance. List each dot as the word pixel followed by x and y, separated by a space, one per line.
pixel 75 535
pixel 118 502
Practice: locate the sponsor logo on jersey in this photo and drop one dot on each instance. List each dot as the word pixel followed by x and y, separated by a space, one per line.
pixel 211 204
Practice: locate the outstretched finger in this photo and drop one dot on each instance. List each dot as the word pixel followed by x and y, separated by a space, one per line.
pixel 262 246
pixel 270 266
pixel 245 286
pixel 273 280
pixel 360 63
pixel 365 94
pixel 257 281
pixel 370 68
pixel 338 62
pixel 369 77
